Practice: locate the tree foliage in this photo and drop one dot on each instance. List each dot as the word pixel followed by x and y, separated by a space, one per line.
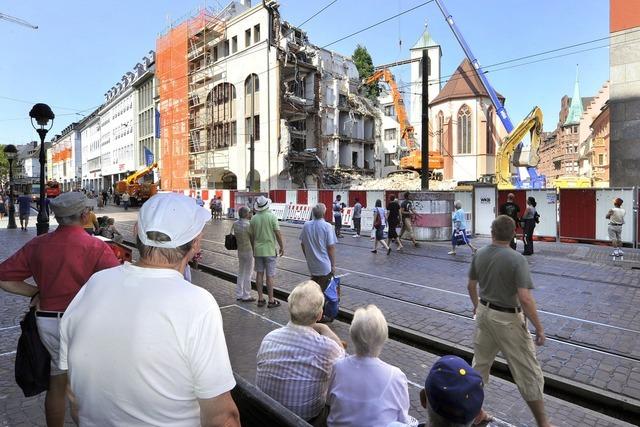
pixel 364 64
pixel 4 165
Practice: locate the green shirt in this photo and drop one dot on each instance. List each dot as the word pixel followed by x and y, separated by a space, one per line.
pixel 500 271
pixel 264 225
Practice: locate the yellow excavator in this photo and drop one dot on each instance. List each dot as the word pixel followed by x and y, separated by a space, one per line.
pixel 139 190
pixel 411 156
pixel 512 152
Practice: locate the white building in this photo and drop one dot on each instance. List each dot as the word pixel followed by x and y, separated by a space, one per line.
pixel 390 135
pixel 66 158
pixel 298 101
pixel 120 136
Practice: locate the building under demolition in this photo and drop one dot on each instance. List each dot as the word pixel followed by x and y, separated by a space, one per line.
pixel 242 80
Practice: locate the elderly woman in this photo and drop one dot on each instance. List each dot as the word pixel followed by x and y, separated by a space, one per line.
pixel 245 255
pixel 364 390
pixel 459 234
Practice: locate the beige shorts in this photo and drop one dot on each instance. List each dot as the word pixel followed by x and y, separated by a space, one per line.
pixel 615 232
pixel 507 332
pixel 49 331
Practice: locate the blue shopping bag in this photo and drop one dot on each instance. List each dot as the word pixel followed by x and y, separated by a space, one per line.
pixel 332 298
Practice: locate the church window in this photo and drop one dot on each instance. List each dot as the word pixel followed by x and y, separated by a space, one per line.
pixel 464 130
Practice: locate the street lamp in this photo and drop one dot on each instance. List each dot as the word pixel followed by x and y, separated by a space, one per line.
pixel 42 114
pixel 11 152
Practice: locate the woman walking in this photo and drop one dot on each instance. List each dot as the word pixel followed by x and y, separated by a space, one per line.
pixel 393 218
pixel 459 235
pixel 245 255
pixel 528 225
pixel 379 222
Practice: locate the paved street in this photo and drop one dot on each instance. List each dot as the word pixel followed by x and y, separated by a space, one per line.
pixel 423 289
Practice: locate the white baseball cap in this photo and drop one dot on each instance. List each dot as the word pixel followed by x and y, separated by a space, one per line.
pixel 176 215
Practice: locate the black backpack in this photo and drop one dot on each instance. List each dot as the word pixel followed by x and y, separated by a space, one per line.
pixel 536 217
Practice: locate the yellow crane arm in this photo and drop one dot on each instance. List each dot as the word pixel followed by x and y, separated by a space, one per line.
pixel 131 179
pixel 509 153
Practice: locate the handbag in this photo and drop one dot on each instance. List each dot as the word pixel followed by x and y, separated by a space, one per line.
pixel 33 362
pixel 332 298
pixel 230 241
pixel 377 222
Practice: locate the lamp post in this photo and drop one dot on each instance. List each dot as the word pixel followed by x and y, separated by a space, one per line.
pixel 11 152
pixel 42 114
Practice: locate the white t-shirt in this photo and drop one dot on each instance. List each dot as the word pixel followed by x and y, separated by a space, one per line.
pixel 367 392
pixel 141 346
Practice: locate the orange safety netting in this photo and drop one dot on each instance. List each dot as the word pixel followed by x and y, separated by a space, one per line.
pixel 171 72
pixel 61 156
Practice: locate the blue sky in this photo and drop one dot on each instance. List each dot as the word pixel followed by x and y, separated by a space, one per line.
pixel 83 48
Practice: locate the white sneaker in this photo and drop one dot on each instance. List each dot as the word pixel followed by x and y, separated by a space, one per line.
pixel 355 235
pixel 620 253
pixel 451 253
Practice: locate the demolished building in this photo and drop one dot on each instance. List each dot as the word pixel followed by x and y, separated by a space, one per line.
pixel 230 76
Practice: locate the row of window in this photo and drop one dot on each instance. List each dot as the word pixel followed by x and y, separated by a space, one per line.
pixel 122 131
pixel 230 46
pixel 465 129
pixel 145 95
pixel 145 122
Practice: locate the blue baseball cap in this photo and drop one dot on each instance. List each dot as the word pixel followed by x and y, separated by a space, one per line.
pixel 454 390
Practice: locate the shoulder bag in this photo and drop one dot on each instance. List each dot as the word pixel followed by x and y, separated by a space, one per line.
pixel 230 241
pixel 33 362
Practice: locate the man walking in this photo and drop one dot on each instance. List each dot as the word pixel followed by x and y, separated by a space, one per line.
pixel 77 256
pixel 24 210
pixel 512 210
pixel 502 308
pixel 357 217
pixel 319 247
pixel 264 232
pixel 616 221
pixel 337 214
pixel 143 346
pixel 199 200
pixel 126 200
pixel 407 211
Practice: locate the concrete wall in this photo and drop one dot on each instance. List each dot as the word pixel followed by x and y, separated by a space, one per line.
pixel 625 107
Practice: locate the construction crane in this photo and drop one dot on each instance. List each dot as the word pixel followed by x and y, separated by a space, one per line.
pixel 17 21
pixel 411 160
pixel 139 190
pixel 511 143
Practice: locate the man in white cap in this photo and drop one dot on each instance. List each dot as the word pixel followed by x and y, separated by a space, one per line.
pixel 143 346
pixel 264 231
pixel 60 263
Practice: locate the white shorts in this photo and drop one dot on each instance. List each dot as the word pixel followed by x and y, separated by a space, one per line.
pixel 49 331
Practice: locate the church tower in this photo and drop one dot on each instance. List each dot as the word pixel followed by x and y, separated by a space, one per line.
pixel 434 53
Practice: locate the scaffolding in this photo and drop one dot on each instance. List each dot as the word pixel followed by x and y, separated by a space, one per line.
pixel 182 59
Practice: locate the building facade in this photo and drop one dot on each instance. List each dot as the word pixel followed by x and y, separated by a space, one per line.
pixel 588 160
pixel 66 158
pixel 624 106
pixel 252 76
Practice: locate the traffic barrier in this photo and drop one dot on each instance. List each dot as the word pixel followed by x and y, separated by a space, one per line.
pixel 279 210
pixel 347 214
pixel 292 197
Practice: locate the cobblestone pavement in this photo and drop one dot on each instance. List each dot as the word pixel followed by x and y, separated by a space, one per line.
pixel 593 321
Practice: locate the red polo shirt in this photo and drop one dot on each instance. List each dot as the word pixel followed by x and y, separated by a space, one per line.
pixel 60 262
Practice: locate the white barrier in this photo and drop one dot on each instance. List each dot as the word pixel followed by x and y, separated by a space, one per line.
pixel 604 202
pixel 298 212
pixel 292 196
pixel 466 198
pixel 347 219
pixel 372 196
pixel 547 208
pixel 279 210
pixel 312 198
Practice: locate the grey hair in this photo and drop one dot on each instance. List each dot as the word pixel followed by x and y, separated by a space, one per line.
pixel 319 210
pixel 167 255
pixel 243 212
pixel 70 220
pixel 436 420
pixel 305 303
pixel 368 331
pixel 458 204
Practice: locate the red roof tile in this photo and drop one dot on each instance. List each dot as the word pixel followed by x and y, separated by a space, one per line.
pixel 464 83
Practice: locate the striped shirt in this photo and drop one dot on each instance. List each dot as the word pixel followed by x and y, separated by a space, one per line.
pixel 294 367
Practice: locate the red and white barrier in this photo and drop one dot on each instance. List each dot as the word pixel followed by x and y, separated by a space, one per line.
pixel 279 210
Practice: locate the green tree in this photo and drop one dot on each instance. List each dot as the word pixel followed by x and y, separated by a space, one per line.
pixel 4 165
pixel 364 64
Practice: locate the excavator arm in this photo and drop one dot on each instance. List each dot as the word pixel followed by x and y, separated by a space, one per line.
pixel 511 150
pixel 133 178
